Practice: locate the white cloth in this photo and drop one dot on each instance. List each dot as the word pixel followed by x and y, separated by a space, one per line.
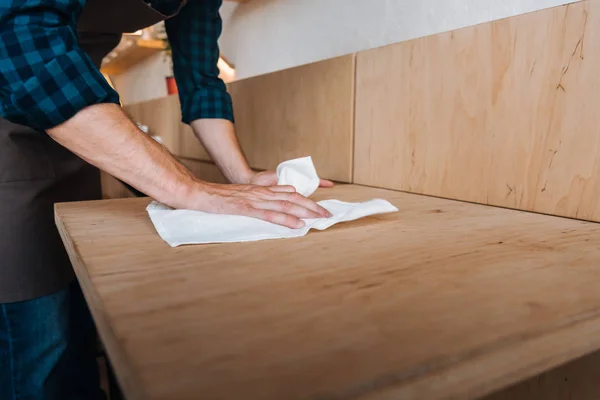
pixel 178 227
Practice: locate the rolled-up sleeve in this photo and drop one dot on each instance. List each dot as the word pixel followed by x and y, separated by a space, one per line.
pixel 193 34
pixel 45 77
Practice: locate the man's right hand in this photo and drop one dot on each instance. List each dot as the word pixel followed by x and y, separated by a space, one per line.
pixel 281 205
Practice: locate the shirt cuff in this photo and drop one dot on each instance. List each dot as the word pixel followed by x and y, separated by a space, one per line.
pixel 206 103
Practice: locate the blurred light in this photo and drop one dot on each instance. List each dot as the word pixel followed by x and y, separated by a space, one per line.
pixel 136 33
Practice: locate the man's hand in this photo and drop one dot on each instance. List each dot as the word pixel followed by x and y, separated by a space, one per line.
pixel 269 178
pixel 219 139
pixel 277 204
pixel 255 194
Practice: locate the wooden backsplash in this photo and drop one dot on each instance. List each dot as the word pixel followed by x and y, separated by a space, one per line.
pixel 502 113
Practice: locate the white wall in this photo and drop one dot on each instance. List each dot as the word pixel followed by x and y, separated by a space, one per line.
pixel 145 81
pixel 262 36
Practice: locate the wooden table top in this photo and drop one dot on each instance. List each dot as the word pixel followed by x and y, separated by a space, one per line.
pixel 441 300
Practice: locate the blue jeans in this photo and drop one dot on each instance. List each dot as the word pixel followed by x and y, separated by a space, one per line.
pixel 48 349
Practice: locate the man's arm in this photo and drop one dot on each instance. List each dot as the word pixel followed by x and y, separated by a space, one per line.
pixel 47 82
pixel 105 137
pixel 217 135
pixel 220 141
pixel 45 77
pixel 205 103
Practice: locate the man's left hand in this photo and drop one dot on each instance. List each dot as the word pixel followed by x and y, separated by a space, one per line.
pixel 269 178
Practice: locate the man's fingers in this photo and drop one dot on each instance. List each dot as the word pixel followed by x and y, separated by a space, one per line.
pixel 281 205
pixel 283 189
pixel 287 207
pixel 278 218
pixel 324 183
pixel 302 201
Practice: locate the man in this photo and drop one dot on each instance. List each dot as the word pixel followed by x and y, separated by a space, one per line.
pixel 60 120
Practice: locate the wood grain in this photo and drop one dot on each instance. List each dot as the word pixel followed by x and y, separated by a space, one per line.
pixel 163 118
pixel 128 378
pixel 443 300
pixel 302 111
pixel 502 113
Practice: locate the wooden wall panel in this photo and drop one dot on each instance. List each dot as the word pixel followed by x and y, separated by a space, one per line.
pixel 112 188
pixel 302 111
pixel 163 118
pixel 504 113
pixel 307 110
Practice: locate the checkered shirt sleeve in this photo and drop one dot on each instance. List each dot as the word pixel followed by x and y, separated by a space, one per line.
pixel 45 77
pixel 193 35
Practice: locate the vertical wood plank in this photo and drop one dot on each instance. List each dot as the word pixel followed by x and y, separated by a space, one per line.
pixel 503 113
pixel 163 118
pixel 112 188
pixel 302 111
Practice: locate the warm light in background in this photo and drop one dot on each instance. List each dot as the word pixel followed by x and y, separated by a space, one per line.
pixel 136 33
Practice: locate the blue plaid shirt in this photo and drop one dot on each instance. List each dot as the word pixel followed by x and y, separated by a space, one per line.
pixel 46 78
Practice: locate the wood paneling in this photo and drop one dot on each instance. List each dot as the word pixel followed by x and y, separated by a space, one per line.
pixel 163 118
pixel 112 188
pixel 504 113
pixel 204 170
pixel 302 111
pixel 442 300
pixel 307 110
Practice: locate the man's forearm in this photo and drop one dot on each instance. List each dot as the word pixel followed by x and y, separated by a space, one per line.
pixel 102 135
pixel 220 141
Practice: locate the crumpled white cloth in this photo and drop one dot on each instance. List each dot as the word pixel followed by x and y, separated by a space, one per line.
pixel 179 227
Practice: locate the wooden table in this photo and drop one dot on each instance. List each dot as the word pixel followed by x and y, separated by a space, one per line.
pixel 441 300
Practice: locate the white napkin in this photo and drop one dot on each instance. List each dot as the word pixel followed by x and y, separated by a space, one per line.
pixel 178 227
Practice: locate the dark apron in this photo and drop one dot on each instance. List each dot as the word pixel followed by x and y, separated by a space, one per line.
pixel 36 172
